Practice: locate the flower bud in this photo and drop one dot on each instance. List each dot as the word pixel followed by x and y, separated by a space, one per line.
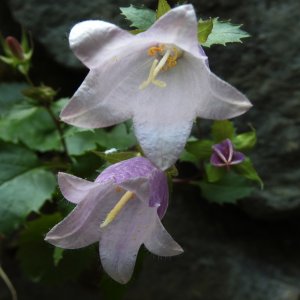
pixel 15 47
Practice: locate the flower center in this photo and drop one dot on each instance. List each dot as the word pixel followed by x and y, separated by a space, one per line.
pixel 166 57
pixel 117 208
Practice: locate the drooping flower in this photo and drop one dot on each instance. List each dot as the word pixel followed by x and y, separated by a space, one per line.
pixel 160 78
pixel 224 155
pixel 122 209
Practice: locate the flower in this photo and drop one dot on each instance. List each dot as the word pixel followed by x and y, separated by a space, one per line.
pixel 160 78
pixel 224 155
pixel 122 209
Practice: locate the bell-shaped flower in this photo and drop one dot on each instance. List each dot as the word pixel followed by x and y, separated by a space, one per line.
pixel 159 78
pixel 122 210
pixel 224 155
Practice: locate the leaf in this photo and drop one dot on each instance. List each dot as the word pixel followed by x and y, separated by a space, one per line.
pixel 163 7
pixel 42 266
pixel 245 141
pixel 224 32
pixel 222 130
pixel 247 170
pixel 204 29
pixel 213 173
pixel 57 255
pixel 188 157
pixel 30 125
pixel 140 18
pixel 228 190
pixel 24 185
pixel 200 149
pixel 116 157
pixel 10 94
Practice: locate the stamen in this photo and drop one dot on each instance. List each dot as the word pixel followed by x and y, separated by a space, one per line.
pixel 116 210
pixel 150 77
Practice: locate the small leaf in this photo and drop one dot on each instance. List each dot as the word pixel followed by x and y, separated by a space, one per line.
pixel 204 29
pixel 57 255
pixel 188 157
pixel 245 141
pixel 163 7
pixel 213 173
pixel 24 185
pixel 247 170
pixel 200 149
pixel 222 130
pixel 224 32
pixel 227 190
pixel 140 18
pixel 116 157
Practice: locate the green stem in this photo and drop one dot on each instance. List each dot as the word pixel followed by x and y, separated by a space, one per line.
pixel 29 81
pixel 8 284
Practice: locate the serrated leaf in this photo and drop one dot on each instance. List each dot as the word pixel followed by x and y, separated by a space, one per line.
pixel 30 125
pixel 247 170
pixel 140 18
pixel 245 141
pixel 162 8
pixel 224 32
pixel 116 157
pixel 24 185
pixel 213 173
pixel 204 29
pixel 200 149
pixel 222 130
pixel 229 189
pixel 42 267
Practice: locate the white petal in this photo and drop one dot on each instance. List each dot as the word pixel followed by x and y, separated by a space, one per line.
pixel 179 27
pixel 160 242
pixel 95 41
pixel 121 240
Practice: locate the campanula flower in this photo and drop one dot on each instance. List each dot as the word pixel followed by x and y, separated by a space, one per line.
pixel 224 155
pixel 122 210
pixel 159 78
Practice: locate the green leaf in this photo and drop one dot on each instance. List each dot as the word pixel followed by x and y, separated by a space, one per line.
pixel 30 125
pixel 115 157
pixel 213 173
pixel 227 190
pixel 222 130
pixel 42 266
pixel 247 170
pixel 10 94
pixel 200 149
pixel 224 32
pixel 140 18
pixel 245 141
pixel 163 7
pixel 188 157
pixel 24 185
pixel 204 29
pixel 57 255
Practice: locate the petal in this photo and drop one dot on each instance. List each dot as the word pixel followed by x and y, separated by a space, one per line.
pixel 82 226
pixel 213 98
pixel 217 161
pixel 237 158
pixel 95 41
pixel 179 27
pixel 121 240
pixel 74 188
pixel 106 96
pixel 160 242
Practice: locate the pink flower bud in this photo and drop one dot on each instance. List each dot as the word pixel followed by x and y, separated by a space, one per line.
pixel 15 47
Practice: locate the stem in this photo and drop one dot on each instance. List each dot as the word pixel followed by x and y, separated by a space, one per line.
pixel 8 284
pixel 29 81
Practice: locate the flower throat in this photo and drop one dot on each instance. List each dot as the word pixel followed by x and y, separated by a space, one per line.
pixel 166 57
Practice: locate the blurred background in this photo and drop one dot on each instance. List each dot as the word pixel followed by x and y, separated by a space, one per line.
pixel 232 252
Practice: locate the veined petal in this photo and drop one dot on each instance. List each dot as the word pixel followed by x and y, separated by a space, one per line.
pixel 237 158
pixel 82 226
pixel 178 27
pixel 160 242
pixel 108 94
pixel 121 240
pixel 95 41
pixel 74 188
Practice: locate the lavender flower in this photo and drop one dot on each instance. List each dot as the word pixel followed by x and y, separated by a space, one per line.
pixel 122 209
pixel 225 156
pixel 160 78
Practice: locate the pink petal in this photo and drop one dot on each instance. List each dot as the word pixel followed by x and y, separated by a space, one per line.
pixel 178 27
pixel 96 41
pixel 121 240
pixel 160 242
pixel 82 226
